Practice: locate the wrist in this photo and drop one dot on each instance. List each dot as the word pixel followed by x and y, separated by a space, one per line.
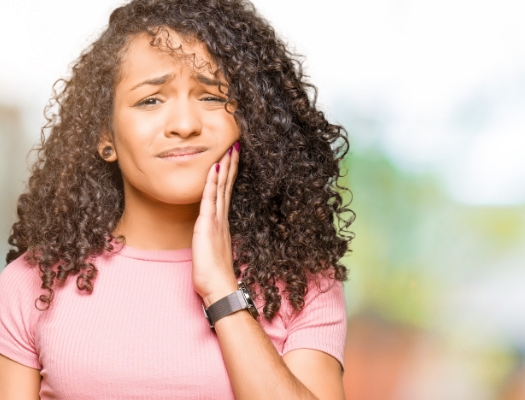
pixel 235 318
pixel 231 303
pixel 219 292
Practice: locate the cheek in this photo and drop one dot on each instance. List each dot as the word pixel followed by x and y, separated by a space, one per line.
pixel 134 135
pixel 229 131
pixel 129 155
pixel 134 130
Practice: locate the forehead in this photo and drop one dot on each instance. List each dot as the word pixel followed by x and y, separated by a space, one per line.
pixel 147 56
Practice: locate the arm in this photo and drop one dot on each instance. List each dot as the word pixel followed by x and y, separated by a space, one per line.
pixel 320 372
pixel 257 371
pixel 255 368
pixel 18 382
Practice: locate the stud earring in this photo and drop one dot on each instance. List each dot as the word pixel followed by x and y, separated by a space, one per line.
pixel 107 152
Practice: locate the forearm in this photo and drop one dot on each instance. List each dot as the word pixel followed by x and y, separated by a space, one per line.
pixel 255 368
pixel 18 382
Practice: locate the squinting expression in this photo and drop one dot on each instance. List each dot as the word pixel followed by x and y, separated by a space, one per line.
pixel 170 124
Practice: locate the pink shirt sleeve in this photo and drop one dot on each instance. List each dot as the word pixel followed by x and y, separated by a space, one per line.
pixel 322 323
pixel 19 287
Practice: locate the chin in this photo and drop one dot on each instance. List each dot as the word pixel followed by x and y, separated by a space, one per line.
pixel 182 193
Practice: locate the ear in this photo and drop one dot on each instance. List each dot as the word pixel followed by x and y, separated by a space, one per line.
pixel 106 148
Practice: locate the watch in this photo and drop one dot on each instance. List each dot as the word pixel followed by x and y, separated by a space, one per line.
pixel 234 302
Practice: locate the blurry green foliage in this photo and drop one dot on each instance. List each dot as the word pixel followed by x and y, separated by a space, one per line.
pixel 388 270
pixel 413 242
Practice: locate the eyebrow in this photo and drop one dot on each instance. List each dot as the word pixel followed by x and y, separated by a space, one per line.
pixel 210 82
pixel 160 80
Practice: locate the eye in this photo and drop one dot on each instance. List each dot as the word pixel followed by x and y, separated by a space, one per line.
pixel 148 102
pixel 214 98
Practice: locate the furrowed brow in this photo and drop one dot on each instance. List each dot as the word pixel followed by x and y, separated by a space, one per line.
pixel 210 82
pixel 160 80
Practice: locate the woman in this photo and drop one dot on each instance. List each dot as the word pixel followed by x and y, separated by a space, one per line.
pixel 133 198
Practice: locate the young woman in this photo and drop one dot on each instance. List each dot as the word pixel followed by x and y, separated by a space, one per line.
pixel 185 157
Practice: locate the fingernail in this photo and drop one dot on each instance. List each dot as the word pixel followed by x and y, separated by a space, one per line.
pixel 217 167
pixel 237 145
pixel 230 150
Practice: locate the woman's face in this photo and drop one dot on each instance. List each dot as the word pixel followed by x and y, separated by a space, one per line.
pixel 169 123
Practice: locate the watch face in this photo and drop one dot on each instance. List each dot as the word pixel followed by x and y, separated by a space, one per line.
pixel 253 311
pixel 206 315
pixel 251 305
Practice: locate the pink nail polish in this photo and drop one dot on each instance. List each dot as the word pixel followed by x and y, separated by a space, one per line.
pixel 237 145
pixel 230 150
pixel 217 167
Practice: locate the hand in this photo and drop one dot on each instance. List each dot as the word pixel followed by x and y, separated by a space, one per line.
pixel 212 274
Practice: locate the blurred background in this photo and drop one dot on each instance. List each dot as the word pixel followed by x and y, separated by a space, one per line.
pixel 432 93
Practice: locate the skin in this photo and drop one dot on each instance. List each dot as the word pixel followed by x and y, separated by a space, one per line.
pixel 186 205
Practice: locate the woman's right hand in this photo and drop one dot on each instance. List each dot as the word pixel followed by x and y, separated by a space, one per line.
pixel 18 382
pixel 213 276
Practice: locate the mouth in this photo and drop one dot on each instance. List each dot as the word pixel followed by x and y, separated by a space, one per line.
pixel 182 152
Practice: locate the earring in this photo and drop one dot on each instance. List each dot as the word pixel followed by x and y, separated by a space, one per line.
pixel 107 152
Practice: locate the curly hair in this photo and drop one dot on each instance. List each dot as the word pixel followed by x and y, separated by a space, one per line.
pixel 288 218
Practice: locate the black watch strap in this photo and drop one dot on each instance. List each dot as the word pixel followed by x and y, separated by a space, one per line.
pixel 234 302
pixel 226 306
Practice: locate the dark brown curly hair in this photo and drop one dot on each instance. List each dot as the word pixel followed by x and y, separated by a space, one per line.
pixel 289 218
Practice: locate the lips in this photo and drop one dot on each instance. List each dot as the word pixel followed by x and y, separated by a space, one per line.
pixel 182 151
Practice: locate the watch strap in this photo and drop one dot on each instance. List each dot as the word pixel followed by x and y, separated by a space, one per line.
pixel 239 300
pixel 226 306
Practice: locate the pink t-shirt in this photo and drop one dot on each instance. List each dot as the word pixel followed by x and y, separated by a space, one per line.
pixel 142 334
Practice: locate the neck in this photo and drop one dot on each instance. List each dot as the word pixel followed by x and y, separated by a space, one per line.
pixel 151 225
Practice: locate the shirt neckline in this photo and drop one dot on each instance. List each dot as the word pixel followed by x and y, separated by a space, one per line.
pixel 178 255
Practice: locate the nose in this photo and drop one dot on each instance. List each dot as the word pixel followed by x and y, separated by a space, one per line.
pixel 183 119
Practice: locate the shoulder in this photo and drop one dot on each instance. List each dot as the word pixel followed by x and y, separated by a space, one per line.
pixel 20 286
pixel 324 294
pixel 322 322
pixel 19 289
pixel 324 300
pixel 19 277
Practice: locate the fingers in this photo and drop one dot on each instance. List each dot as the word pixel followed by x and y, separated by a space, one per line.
pixel 209 196
pixel 227 174
pixel 232 174
pixel 219 184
